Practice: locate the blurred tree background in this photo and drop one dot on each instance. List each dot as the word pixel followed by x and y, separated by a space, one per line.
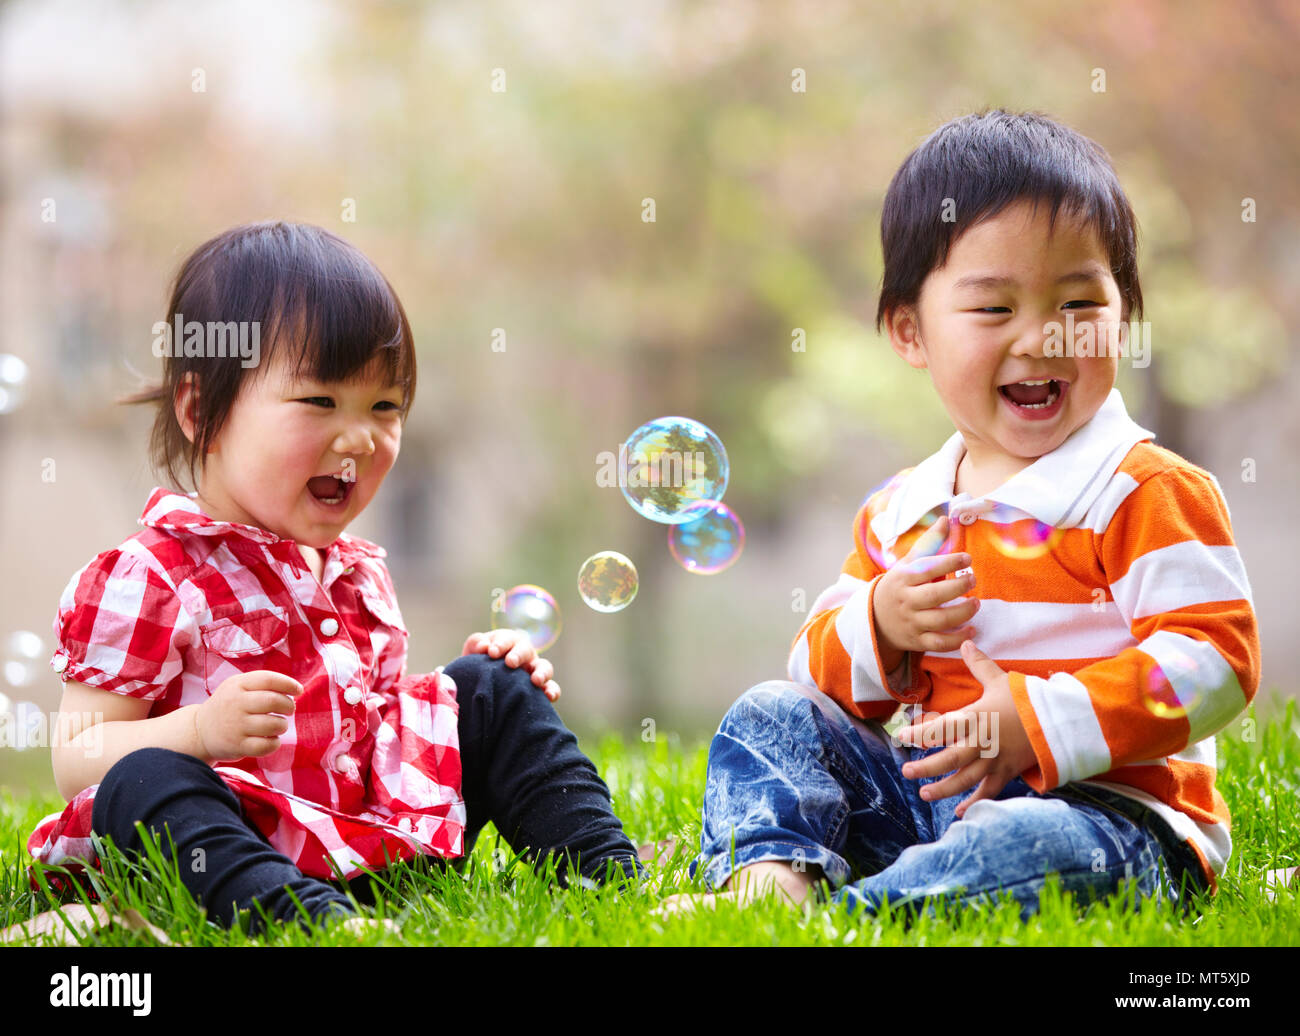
pixel 498 157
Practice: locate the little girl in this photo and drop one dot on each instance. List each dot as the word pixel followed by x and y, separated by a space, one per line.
pixel 234 674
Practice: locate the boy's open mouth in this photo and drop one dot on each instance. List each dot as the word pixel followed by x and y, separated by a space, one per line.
pixel 1041 394
pixel 329 489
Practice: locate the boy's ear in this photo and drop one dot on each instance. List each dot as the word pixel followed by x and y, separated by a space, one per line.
pixel 904 335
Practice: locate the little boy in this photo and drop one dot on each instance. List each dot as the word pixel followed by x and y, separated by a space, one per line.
pixel 1058 598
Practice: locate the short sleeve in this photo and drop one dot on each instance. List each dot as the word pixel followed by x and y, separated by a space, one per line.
pixel 121 628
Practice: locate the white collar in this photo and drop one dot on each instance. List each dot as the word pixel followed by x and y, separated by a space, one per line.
pixel 1057 489
pixel 179 513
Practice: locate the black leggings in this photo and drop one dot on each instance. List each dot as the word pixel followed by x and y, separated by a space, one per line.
pixel 521 769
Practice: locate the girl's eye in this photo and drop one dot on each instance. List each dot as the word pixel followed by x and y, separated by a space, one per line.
pixel 326 401
pixel 1085 304
pixel 993 309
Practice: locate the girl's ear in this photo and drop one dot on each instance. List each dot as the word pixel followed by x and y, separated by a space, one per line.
pixel 903 325
pixel 187 399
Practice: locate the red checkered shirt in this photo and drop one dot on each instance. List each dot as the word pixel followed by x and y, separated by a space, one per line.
pixel 369 769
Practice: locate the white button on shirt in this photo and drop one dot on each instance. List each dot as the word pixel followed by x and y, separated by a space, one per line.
pixel 60 663
pixel 967 518
pixel 352 695
pixel 329 627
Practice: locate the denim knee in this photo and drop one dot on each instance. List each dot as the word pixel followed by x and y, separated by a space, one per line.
pixel 765 704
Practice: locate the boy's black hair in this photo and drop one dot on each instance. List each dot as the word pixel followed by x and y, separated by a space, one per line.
pixel 314 297
pixel 985 162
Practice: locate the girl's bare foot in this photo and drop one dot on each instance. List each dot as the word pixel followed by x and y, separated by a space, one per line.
pixel 360 926
pixel 747 885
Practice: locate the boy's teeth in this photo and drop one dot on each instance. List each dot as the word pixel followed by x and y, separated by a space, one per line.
pixel 1053 394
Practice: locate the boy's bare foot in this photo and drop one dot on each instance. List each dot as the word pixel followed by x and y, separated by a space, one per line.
pixel 747 885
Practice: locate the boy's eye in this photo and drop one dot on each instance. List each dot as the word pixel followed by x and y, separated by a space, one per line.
pixel 1085 303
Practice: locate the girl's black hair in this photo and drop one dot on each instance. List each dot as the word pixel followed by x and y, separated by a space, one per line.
pixel 975 166
pixel 310 293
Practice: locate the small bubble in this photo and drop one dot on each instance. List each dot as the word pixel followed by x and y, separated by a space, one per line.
pixel 531 609
pixel 1160 694
pixel 23 653
pixel 710 541
pixel 13 382
pixel 921 535
pixel 607 581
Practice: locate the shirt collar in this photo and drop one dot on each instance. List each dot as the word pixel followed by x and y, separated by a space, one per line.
pixel 179 513
pixel 1057 489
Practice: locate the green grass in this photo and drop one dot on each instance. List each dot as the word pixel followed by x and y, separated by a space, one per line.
pixel 657 790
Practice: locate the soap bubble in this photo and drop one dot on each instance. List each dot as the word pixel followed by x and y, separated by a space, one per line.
pixel 28 724
pixel 23 658
pixel 607 581
pixel 710 540
pixel 1159 687
pixel 1013 531
pixel 923 535
pixel 877 498
pixel 1024 540
pixel 531 609
pixel 673 462
pixel 13 382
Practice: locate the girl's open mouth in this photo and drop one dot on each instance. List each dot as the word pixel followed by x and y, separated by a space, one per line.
pixel 1035 400
pixel 329 490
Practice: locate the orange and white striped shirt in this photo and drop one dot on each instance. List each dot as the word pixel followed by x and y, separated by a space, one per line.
pixel 1110 591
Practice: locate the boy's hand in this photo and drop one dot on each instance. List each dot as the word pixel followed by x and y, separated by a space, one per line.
pixel 961 731
pixel 518 650
pixel 907 604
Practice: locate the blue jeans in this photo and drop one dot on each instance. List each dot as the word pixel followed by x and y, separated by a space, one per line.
pixel 792 777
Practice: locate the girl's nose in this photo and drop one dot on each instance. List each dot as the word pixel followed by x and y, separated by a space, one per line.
pixel 355 440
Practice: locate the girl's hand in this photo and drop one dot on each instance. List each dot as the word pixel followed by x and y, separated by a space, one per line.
pixel 246 715
pixel 518 650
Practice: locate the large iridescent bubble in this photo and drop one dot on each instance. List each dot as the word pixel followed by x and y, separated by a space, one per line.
pixel 710 540
pixel 672 463
pixel 607 581
pixel 531 609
